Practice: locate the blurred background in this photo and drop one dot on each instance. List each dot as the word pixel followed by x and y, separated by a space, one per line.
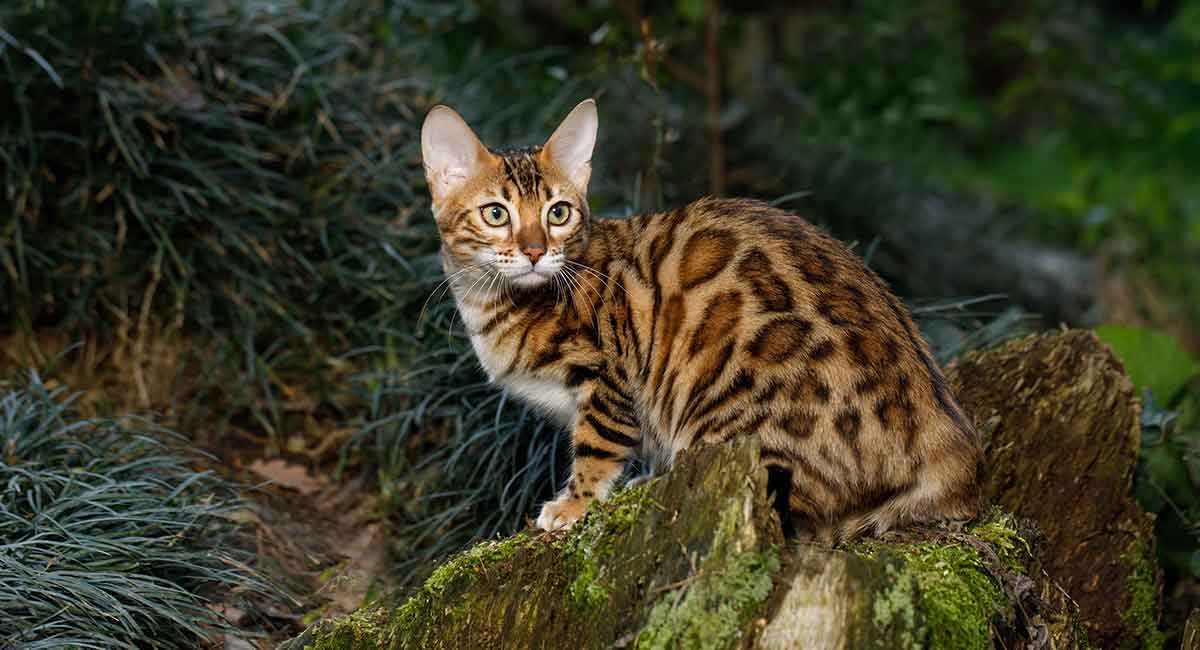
pixel 218 264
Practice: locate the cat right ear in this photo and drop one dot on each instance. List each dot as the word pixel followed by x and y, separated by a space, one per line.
pixel 570 147
pixel 451 152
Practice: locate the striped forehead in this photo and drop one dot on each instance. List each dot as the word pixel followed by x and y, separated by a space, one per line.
pixel 522 170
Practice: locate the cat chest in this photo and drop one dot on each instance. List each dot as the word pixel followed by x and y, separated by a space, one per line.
pixel 550 396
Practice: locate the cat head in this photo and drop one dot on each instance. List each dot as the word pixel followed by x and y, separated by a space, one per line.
pixel 521 213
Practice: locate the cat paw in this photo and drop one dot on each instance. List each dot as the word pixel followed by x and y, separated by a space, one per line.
pixel 560 513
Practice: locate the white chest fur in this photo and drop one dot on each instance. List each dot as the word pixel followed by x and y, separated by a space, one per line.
pixel 551 396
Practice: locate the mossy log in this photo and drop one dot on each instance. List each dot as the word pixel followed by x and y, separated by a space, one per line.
pixel 695 558
pixel 1062 423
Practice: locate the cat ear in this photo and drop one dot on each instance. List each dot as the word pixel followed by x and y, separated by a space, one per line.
pixel 570 148
pixel 451 152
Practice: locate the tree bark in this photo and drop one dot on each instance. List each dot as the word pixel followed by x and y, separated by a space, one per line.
pixel 1064 430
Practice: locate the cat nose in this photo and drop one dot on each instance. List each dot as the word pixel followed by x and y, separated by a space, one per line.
pixel 534 254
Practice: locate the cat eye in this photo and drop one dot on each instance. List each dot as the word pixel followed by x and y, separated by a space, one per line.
pixel 494 214
pixel 559 213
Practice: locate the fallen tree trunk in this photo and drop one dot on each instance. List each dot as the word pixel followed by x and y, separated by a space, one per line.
pixel 695 558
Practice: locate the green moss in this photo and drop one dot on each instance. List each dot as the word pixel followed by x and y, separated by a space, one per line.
pixel 895 608
pixel 590 543
pixel 1142 614
pixel 999 529
pixel 958 596
pixel 479 558
pixel 362 629
pixel 483 558
pixel 712 609
pixel 955 593
pixel 587 592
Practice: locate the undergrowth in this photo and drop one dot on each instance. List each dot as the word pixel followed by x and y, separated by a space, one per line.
pixel 108 537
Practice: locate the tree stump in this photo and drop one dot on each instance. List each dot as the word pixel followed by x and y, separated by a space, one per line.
pixel 1063 430
pixel 695 558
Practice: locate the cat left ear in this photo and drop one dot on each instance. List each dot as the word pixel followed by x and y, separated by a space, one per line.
pixel 451 152
pixel 570 147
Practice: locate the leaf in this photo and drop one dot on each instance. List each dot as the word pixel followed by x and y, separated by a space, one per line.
pixel 288 475
pixel 1153 359
pixel 1163 480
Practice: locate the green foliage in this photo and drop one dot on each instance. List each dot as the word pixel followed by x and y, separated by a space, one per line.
pixel 497 460
pixel 1168 478
pixel 254 201
pixel 1153 359
pixel 108 539
pixel 1106 138
pixel 232 168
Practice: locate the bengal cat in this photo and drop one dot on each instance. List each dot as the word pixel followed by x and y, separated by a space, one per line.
pixel 719 319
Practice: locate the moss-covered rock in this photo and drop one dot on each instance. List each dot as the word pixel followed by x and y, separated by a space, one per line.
pixel 687 560
pixel 934 588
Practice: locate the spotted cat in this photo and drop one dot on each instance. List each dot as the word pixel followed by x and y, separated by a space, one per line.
pixel 719 319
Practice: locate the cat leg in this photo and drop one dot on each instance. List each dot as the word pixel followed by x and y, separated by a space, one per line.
pixel 604 438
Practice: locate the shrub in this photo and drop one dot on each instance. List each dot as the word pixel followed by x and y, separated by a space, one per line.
pixel 108 537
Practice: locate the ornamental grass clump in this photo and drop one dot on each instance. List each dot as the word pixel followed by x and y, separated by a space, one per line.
pixel 108 537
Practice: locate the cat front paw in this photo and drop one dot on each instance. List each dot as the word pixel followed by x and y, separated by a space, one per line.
pixel 560 513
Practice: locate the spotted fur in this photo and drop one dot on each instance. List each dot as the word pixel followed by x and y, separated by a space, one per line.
pixel 720 319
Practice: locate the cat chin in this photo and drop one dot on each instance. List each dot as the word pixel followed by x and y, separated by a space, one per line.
pixel 529 280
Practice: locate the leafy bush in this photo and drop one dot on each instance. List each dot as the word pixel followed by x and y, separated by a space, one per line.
pixel 108 538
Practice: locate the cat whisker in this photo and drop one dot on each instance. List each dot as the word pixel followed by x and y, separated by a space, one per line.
pixel 508 293
pixel 470 292
pixel 558 290
pixel 568 287
pixel 587 285
pixel 575 281
pixel 443 286
pixel 493 285
pixel 603 277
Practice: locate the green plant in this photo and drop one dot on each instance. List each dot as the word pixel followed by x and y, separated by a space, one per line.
pixel 108 537
pixel 230 171
pixel 1168 478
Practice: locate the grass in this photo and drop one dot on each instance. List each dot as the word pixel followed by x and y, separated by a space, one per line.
pixel 110 538
pixel 231 170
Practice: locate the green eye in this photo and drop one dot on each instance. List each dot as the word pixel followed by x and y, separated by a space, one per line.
pixel 559 213
pixel 494 214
